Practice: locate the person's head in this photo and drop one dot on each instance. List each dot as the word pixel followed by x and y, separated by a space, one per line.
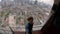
pixel 30 19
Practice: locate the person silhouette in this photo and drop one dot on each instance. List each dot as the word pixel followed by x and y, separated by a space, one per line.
pixel 29 25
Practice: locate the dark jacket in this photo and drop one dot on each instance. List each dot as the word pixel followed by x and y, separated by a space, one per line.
pixel 29 27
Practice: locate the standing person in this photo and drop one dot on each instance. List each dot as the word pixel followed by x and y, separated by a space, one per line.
pixel 29 25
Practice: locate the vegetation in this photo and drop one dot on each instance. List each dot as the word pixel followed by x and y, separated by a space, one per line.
pixel 18 19
pixel 4 14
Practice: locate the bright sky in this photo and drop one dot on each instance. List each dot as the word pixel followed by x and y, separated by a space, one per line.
pixel 0 0
pixel 46 1
pixel 12 0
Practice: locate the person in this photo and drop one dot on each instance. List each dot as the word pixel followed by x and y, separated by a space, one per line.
pixel 29 25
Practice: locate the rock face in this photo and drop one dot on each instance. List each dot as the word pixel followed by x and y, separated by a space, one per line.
pixel 22 10
pixel 12 21
pixel 5 30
